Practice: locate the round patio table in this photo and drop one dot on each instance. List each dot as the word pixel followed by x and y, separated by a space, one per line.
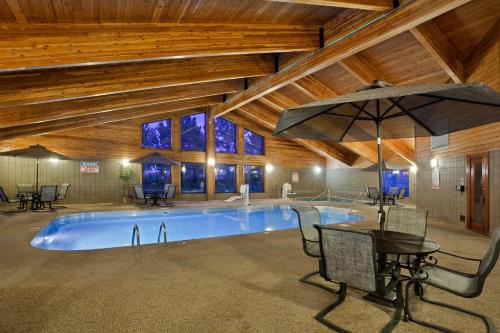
pixel 399 243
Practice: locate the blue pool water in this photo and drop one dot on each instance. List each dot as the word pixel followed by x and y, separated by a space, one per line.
pixel 89 231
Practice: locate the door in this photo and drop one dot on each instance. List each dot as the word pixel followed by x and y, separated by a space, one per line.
pixel 478 193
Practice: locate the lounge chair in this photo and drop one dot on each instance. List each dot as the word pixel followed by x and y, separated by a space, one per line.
pixel 349 257
pixel 21 200
pixel 308 217
pixel 139 194
pixel 409 221
pixel 48 194
pixel 458 283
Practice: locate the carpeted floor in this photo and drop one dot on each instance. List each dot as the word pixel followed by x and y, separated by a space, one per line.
pixel 232 284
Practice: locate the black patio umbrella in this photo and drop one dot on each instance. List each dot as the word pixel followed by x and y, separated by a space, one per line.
pixel 381 112
pixel 37 152
pixel 155 158
pixel 374 167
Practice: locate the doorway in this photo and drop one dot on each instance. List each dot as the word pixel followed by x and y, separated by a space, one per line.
pixel 478 208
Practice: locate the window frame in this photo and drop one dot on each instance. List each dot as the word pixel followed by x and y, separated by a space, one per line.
pixel 142 174
pixel 235 177
pixel 171 133
pixel 206 134
pixel 205 178
pixel 263 175
pixel 263 143
pixel 235 137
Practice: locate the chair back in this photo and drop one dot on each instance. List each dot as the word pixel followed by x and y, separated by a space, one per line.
pixel 393 191
pixel 24 188
pixel 139 193
pixel 348 256
pixel 171 191
pixel 407 220
pixel 491 257
pixel 48 193
pixel 62 191
pixel 402 193
pixel 373 192
pixel 3 196
pixel 308 217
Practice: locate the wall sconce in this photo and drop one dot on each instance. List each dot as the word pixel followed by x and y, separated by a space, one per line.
pixel 434 163
pixel 183 169
pixel 125 162
pixel 53 160
pixel 317 170
pixel 211 162
pixel 413 168
pixel 269 167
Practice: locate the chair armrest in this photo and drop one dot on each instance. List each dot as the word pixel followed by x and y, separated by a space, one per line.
pixel 460 257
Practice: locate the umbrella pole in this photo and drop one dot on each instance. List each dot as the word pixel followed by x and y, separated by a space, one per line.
pixel 36 186
pixel 381 212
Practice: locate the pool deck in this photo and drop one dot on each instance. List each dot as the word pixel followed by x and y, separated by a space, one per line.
pixel 232 284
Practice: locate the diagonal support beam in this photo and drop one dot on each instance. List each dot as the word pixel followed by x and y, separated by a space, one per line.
pixel 387 26
pixel 440 48
pixel 376 5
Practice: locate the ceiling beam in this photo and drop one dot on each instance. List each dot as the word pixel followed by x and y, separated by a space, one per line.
pixel 401 148
pixel 377 5
pixel 26 46
pixel 105 117
pixel 269 120
pixel 314 88
pixel 19 88
pixel 397 21
pixel 440 48
pixel 32 113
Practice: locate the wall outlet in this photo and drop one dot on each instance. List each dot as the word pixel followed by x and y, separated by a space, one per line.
pixel 462 218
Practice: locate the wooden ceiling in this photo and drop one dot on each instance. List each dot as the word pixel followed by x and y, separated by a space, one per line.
pixel 81 63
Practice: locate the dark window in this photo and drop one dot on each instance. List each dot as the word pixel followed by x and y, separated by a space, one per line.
pixel 254 176
pixel 193 133
pixel 397 178
pixel 157 134
pixel 155 176
pixel 225 178
pixel 193 178
pixel 225 136
pixel 254 143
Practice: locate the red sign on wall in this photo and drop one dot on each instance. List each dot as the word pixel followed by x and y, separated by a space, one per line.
pixel 89 167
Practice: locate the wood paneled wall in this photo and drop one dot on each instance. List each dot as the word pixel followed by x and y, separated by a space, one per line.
pixel 122 140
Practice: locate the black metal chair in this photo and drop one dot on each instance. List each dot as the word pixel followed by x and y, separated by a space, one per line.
pixel 349 257
pixel 139 194
pixel 21 200
pixel 402 193
pixel 458 283
pixel 308 217
pixel 169 194
pixel 48 194
pixel 392 195
pixel 372 193
pixel 62 192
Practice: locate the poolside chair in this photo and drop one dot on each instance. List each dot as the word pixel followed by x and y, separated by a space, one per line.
pixel 373 194
pixel 169 193
pixel 402 193
pixel 349 257
pixel 25 190
pixel 308 217
pixel 62 192
pixel 458 283
pixel 139 194
pixel 392 195
pixel 409 221
pixel 21 200
pixel 48 194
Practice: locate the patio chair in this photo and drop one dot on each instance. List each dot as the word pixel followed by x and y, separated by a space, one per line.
pixel 392 195
pixel 308 217
pixel 349 257
pixel 21 200
pixel 169 193
pixel 48 194
pixel 402 193
pixel 62 192
pixel 25 190
pixel 458 283
pixel 139 194
pixel 409 221
pixel 373 194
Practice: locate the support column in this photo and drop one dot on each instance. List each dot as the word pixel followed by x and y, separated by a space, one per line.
pixel 210 155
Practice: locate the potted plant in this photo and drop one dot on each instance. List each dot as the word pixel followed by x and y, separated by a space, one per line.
pixel 125 175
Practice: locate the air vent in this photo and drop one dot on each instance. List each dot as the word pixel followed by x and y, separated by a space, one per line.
pixel 438 142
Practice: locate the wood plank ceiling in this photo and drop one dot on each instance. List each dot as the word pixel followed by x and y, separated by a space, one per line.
pixel 69 63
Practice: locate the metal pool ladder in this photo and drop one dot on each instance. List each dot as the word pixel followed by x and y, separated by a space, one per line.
pixel 136 236
pixel 163 227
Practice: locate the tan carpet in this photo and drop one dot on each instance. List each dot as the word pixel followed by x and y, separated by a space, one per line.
pixel 232 284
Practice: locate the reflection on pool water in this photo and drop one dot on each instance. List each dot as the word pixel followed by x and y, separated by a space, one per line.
pixel 89 231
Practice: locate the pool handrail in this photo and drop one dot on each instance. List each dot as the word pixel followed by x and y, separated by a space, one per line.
pixel 163 227
pixel 136 235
